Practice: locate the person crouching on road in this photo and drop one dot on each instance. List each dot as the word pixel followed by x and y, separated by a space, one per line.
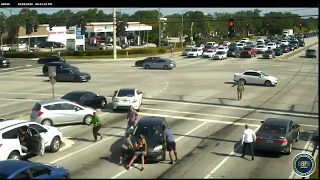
pixel 141 150
pixel 248 138
pixel 125 147
pixel 96 126
pixel 132 118
pixel 170 143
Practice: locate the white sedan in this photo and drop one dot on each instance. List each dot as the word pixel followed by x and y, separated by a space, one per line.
pixel 222 48
pixel 220 55
pixel 126 97
pixel 195 52
pixel 110 46
pixel 5 48
pixel 209 53
pixel 261 48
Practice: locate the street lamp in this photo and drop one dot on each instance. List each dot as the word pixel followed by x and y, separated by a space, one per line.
pixel 182 26
pixel 159 27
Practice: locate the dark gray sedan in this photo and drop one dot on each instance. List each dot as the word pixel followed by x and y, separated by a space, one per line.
pixel 277 135
pixel 269 54
pixel 72 75
pixel 161 63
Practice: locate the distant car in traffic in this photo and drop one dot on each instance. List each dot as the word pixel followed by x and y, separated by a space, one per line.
pixel 278 51
pixel 311 53
pixel 291 47
pixel 4 62
pixel 222 48
pixel 126 97
pixel 261 49
pixel 52 44
pixel 161 63
pixel 207 47
pixel 148 59
pixel 195 52
pixel 248 52
pixel 233 52
pixel 285 48
pixel 220 55
pixel 271 45
pixel 269 54
pixel 72 75
pixel 240 45
pixel 209 53
pixel 58 64
pixel 185 52
pixel 86 98
pixel 302 43
pixel 52 58
pixel 277 135
pixel 18 169
pixel 255 77
pixel 295 44
pixel 41 138
pixel 60 111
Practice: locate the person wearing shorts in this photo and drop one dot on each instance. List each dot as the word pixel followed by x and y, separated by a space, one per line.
pixel 141 146
pixel 170 142
pixel 125 147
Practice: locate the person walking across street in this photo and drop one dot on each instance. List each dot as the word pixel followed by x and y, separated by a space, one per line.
pixel 240 89
pixel 141 150
pixel 132 118
pixel 248 138
pixel 170 143
pixel 96 126
pixel 125 147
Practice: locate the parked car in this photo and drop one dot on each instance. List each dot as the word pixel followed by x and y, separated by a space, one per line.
pixel 311 53
pixel 207 47
pixel 209 53
pixel 40 138
pixel 148 59
pixel 269 54
pixel 195 52
pixel 240 45
pixel 255 77
pixel 277 135
pixel 232 45
pixel 248 52
pixel 185 52
pixel 4 62
pixel 233 52
pixel 285 48
pixel 17 169
pixel 245 39
pixel 200 45
pixel 212 44
pixel 271 45
pixel 52 58
pixel 261 49
pixel 58 64
pixel 220 55
pixel 5 48
pixel 222 48
pixel 161 63
pixel 278 51
pixel 291 47
pixel 302 43
pixel 60 111
pixel 50 44
pixel 86 98
pixel 126 97
pixel 72 75
pixel 151 128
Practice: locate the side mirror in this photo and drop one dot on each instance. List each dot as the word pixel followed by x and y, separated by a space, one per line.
pixel 115 92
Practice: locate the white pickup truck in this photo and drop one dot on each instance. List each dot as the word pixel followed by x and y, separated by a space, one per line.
pixel 255 77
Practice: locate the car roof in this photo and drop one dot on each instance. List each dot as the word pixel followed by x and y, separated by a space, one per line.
pixel 8 123
pixel 78 92
pixel 250 70
pixel 311 50
pixel 151 120
pixel 51 101
pixel 277 121
pixel 11 166
pixel 56 62
pixel 127 89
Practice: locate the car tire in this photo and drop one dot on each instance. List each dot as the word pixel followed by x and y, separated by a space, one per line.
pixel 298 136
pixel 14 155
pixel 87 119
pixel 76 79
pixel 242 80
pixel 103 103
pixel 290 149
pixel 267 83
pixel 147 67
pixel 165 67
pixel 47 122
pixel 55 144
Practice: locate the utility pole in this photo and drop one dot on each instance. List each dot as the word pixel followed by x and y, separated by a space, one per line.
pixel 182 30
pixel 114 34
pixel 191 33
pixel 159 28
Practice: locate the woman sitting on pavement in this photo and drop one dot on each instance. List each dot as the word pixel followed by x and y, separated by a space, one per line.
pixel 141 150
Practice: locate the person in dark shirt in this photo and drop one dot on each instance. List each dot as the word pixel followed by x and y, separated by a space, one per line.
pixel 170 142
pixel 125 147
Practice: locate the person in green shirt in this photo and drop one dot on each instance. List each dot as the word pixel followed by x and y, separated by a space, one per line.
pixel 96 126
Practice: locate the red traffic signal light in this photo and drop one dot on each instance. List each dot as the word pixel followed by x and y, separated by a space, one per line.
pixel 118 24
pixel 247 24
pixel 300 24
pixel 268 24
pixel 230 23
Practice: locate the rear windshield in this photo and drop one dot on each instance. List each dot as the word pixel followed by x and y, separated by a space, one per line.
pixel 247 48
pixel 72 96
pixel 36 107
pixel 126 93
pixel 148 131
pixel 207 46
pixel 272 128
pixel 311 51
pixel 268 52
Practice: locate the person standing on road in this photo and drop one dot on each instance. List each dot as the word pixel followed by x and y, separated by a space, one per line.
pixel 132 118
pixel 248 138
pixel 171 50
pixel 125 147
pixel 170 142
pixel 240 89
pixel 141 150
pixel 96 127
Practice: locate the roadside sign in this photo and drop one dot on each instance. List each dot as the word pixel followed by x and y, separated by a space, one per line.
pixel 52 71
pixel 52 80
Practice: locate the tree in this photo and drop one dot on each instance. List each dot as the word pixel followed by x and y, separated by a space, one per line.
pixel 173 28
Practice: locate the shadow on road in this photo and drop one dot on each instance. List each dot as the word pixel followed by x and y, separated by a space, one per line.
pixel 81 139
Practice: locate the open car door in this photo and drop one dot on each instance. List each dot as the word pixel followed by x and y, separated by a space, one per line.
pixel 37 141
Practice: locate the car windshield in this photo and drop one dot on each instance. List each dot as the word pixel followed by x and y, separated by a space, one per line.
pixel 198 45
pixel 147 131
pixel 268 52
pixel 270 44
pixel 272 128
pixel 261 46
pixel 210 51
pixel 126 93
pixel 247 48
pixel 66 65
pixel 276 49
pixel 264 74
pixel 311 51
pixel 207 46
pixel 187 49
pixel 240 44
pixel 220 52
pixel 220 48
pixel 194 50
pixel 72 96
pixel 75 70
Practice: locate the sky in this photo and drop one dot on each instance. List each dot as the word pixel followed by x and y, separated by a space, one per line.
pixel 168 11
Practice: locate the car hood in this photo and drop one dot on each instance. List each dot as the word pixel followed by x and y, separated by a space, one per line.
pixel 83 74
pixel 271 77
pixel 151 142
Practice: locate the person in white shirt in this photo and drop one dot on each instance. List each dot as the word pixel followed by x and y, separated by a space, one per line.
pixel 248 138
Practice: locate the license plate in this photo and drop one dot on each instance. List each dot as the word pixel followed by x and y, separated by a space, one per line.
pixel 269 141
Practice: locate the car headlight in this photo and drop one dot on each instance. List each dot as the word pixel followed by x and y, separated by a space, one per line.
pixel 158 148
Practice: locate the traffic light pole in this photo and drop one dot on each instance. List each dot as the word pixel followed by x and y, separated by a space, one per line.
pixel 114 34
pixel 1 44
pixel 28 42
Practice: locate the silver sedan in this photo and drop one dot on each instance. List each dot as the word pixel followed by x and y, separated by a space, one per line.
pixel 161 63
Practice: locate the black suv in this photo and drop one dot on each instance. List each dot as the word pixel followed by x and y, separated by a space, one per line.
pixel 58 65
pixel 53 58
pixel 311 53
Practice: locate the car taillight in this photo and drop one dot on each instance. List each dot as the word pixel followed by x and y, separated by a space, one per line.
pixel 134 101
pixel 76 102
pixel 283 140
pixel 40 112
pixel 115 99
pixel 258 138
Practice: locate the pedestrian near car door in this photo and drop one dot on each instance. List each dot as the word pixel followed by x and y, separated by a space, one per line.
pixel 170 142
pixel 248 138
pixel 240 89
pixel 96 126
pixel 132 118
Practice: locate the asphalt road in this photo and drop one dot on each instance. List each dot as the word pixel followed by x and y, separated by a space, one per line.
pixel 199 102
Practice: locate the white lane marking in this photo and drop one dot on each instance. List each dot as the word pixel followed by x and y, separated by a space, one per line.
pixel 67 143
pixel 7 69
pixel 29 70
pixel 223 161
pixel 215 115
pixel 85 148
pixel 64 127
pixel 16 74
pixel 2 105
pixel 305 150
pixel 178 139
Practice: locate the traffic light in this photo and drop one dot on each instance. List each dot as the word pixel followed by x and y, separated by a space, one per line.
pixel 300 26
pixel 83 26
pixel 29 28
pixel 118 24
pixel 35 28
pixel 122 29
pixel 2 29
pixel 50 26
pixel 231 28
pixel 247 25
pixel 268 25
